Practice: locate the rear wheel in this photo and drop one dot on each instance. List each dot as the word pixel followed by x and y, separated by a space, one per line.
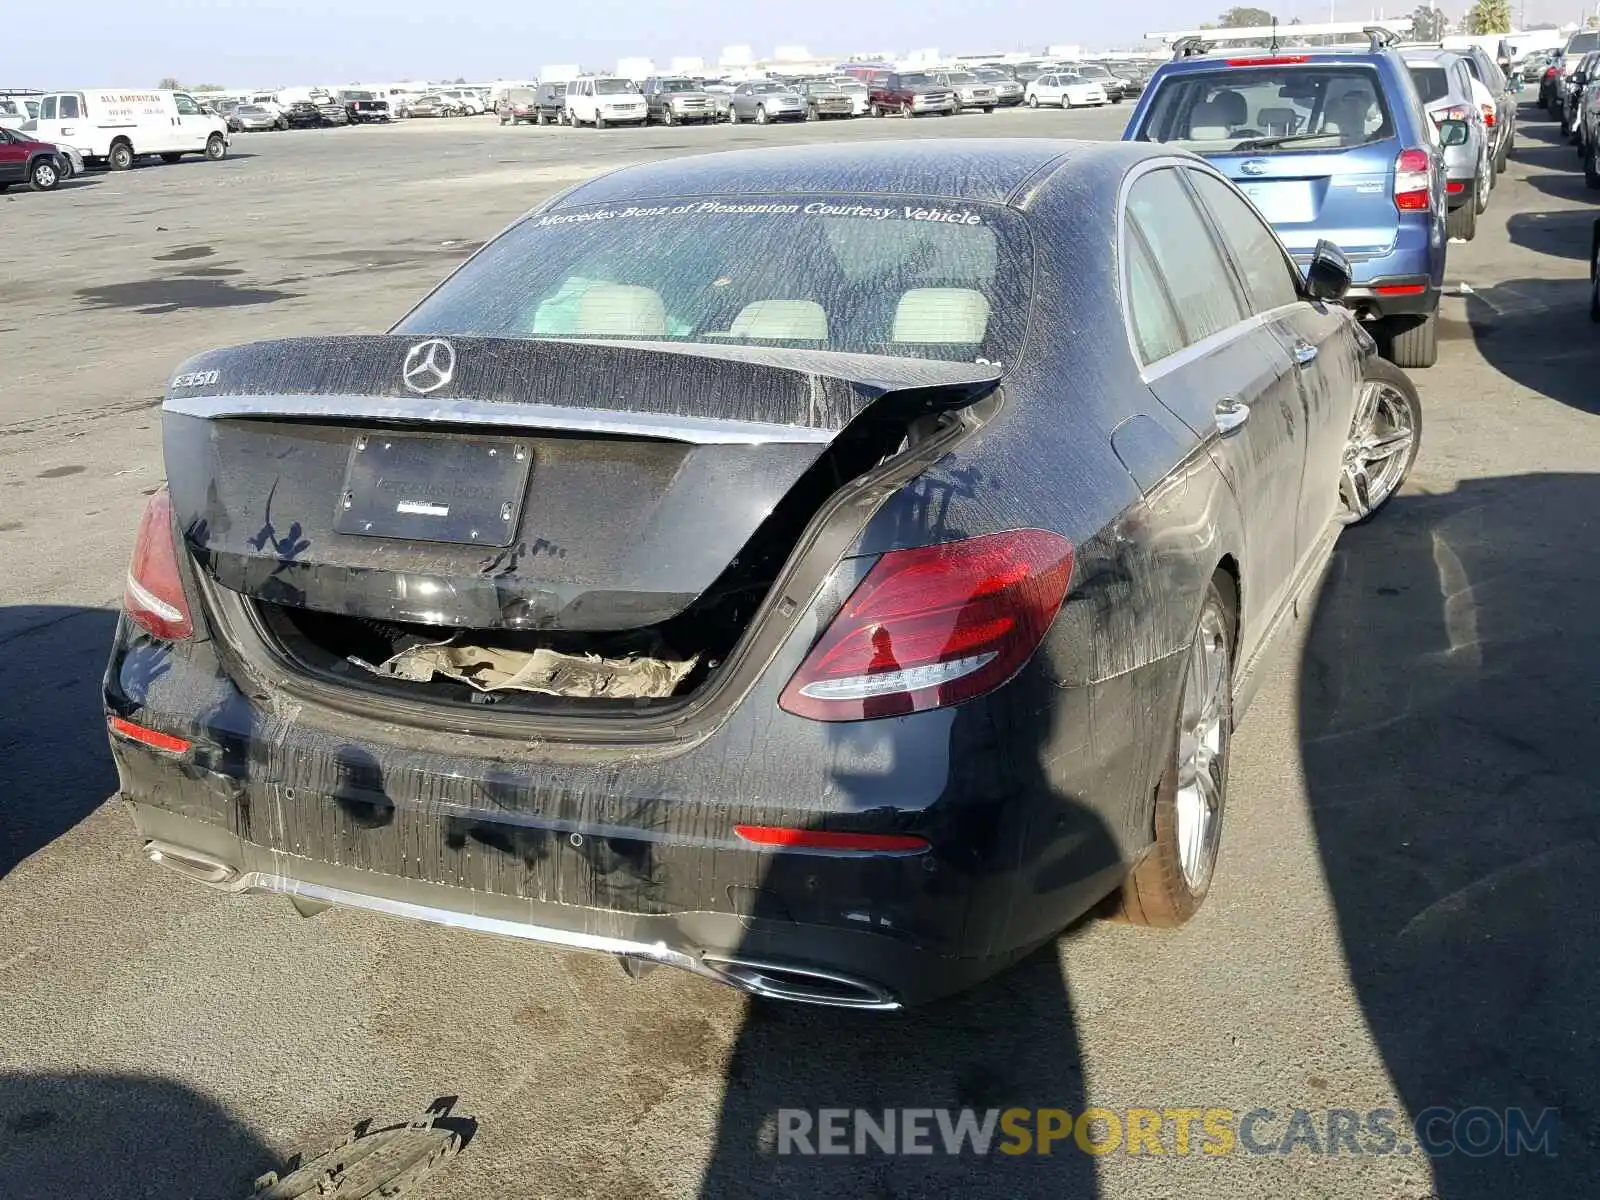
pixel 121 156
pixel 1172 880
pixel 1594 273
pixel 1411 342
pixel 1384 439
pixel 1462 221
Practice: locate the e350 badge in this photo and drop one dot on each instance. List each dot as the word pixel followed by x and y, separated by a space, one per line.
pixel 192 379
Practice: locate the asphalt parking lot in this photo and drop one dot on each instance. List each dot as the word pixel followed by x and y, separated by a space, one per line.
pixel 1400 919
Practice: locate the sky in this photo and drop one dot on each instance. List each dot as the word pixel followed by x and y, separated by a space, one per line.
pixel 261 43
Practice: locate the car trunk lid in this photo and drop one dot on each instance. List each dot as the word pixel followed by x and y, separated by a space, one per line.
pixel 1345 196
pixel 507 484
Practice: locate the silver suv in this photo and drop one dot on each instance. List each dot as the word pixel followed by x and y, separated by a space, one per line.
pixel 1444 82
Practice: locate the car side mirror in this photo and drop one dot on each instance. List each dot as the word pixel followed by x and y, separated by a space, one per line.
pixel 1328 276
pixel 1453 133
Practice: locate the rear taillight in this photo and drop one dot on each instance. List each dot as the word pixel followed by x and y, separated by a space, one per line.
pixel 1413 181
pixel 934 626
pixel 1488 114
pixel 153 593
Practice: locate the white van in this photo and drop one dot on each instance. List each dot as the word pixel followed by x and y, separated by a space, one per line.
pixel 118 127
pixel 604 100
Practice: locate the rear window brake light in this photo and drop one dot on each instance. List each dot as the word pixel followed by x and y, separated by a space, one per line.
pixel 1275 60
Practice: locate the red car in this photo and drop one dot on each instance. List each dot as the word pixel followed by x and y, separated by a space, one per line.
pixel 23 160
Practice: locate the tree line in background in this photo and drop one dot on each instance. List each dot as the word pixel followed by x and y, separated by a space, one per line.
pixel 1429 24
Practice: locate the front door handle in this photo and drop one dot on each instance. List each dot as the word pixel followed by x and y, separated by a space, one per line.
pixel 1230 414
pixel 1305 354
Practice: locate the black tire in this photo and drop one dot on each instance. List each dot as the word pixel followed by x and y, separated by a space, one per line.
pixel 905 109
pixel 541 118
pixel 666 116
pixel 1158 892
pixel 599 120
pixel 1462 221
pixel 875 110
pixel 1411 342
pixel 733 115
pixel 1379 371
pixel 1033 100
pixel 216 148
pixel 121 156
pixel 44 175
pixel 761 114
pixel 1594 273
pixel 171 158
pixel 1591 168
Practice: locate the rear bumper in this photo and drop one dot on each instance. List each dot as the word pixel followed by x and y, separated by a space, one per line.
pixel 1372 302
pixel 1028 822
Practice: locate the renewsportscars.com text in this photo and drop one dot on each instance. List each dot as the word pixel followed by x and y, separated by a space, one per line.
pixel 1476 1132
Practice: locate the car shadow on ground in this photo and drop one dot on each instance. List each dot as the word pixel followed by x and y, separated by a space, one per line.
pixel 120 1137
pixel 57 766
pixel 1537 332
pixel 1447 716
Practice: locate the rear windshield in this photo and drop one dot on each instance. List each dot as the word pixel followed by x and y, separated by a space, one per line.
pixel 912 278
pixel 1269 109
pixel 1432 83
pixel 1582 43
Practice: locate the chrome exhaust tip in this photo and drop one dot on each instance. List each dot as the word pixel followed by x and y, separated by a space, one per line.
pixel 799 985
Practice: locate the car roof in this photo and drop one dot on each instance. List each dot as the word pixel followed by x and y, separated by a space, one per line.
pixel 992 170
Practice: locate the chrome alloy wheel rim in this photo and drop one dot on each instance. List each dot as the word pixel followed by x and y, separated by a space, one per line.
pixel 1379 448
pixel 1202 751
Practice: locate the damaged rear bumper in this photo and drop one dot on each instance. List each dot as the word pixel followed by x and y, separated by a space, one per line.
pixel 713 945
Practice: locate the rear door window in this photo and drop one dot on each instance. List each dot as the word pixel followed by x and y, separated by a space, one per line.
pixel 1156 329
pixel 1184 254
pixel 1269 109
pixel 1432 82
pixel 1269 281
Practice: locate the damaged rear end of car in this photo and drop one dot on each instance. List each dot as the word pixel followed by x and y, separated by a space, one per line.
pixel 568 633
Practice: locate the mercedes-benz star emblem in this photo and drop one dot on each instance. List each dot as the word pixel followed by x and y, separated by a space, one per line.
pixel 1254 167
pixel 429 366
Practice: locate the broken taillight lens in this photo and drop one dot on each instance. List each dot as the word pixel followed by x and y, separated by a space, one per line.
pixel 934 626
pixel 153 595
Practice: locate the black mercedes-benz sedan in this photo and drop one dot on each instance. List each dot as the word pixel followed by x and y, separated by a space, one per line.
pixel 830 570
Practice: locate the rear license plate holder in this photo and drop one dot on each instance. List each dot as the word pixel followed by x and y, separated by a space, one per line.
pixel 1282 202
pixel 434 488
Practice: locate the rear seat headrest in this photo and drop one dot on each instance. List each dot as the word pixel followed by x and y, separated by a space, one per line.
pixel 941 314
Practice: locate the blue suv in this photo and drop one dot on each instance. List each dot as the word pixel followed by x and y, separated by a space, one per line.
pixel 1328 143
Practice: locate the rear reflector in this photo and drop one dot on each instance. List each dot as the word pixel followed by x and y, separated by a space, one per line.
pixel 934 626
pixel 1413 181
pixel 822 839
pixel 152 594
pixel 1488 114
pixel 150 737
pixel 1455 187
pixel 1401 289
pixel 1271 61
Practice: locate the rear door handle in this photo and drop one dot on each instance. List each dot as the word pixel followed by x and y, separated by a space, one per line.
pixel 1230 414
pixel 1305 354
